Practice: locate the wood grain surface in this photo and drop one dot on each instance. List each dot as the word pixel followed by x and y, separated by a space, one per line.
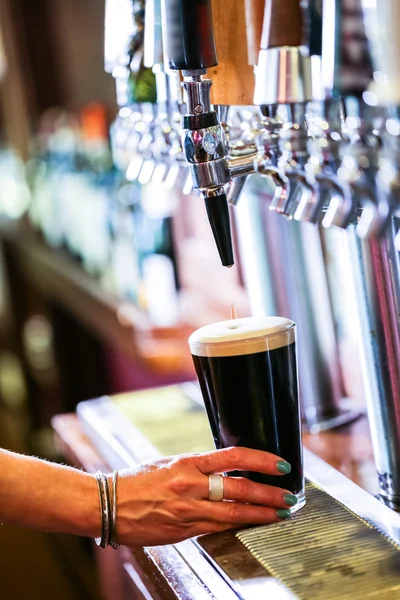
pixel 233 78
pixel 283 24
pixel 254 10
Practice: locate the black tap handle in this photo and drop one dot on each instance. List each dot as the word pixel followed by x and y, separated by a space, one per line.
pixel 188 34
pixel 353 63
pixel 315 8
pixel 218 215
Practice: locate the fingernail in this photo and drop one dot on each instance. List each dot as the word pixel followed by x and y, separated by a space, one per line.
pixel 290 499
pixel 283 467
pixel 282 513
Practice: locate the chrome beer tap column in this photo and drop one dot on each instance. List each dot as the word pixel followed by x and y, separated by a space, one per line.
pixel 284 80
pixel 380 285
pixel 370 237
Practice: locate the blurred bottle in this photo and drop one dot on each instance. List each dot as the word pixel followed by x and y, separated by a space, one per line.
pixel 15 197
pixel 95 166
pixel 158 256
pixel 54 154
pixel 124 279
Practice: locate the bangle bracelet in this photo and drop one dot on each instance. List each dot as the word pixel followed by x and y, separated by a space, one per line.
pixel 113 543
pixel 102 483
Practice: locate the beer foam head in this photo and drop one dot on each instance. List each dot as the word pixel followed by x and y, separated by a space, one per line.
pixel 242 336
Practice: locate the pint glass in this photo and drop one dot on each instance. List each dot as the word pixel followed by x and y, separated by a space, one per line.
pixel 247 371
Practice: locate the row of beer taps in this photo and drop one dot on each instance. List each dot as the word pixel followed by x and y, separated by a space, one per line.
pixel 333 160
pixel 312 106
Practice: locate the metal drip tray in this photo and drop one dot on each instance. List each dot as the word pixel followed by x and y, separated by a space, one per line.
pixel 327 552
pixel 333 548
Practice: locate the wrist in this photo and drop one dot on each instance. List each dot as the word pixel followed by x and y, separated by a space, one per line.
pixel 87 514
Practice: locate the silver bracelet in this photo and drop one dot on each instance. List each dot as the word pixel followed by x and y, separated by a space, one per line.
pixel 104 494
pixel 113 543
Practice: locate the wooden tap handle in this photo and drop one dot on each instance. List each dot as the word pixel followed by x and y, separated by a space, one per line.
pixel 254 10
pixel 284 24
pixel 233 78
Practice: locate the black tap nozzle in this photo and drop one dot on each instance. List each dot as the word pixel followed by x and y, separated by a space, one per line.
pixel 218 216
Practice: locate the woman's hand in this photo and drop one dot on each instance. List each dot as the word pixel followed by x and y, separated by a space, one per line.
pixel 166 501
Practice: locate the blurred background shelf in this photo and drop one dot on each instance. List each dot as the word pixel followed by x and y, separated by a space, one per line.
pixel 59 279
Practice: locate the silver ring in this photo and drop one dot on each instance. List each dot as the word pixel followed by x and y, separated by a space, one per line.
pixel 215 488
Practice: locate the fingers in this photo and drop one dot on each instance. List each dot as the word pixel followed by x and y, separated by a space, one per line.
pixel 241 459
pixel 241 489
pixel 204 527
pixel 237 513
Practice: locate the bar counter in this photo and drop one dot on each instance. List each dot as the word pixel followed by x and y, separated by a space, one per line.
pixel 123 431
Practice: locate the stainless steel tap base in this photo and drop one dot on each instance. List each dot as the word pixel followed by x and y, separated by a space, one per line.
pixel 283 76
pixel 210 175
pixel 386 492
pixel 338 419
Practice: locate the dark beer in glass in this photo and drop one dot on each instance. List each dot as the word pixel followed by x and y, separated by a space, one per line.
pixel 247 370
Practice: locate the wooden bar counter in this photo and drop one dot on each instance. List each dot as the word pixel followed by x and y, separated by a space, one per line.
pixel 182 571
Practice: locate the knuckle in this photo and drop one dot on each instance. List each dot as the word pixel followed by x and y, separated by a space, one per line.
pixel 234 512
pixel 207 461
pixel 242 488
pixel 180 485
pixel 181 509
pixel 268 495
pixel 235 453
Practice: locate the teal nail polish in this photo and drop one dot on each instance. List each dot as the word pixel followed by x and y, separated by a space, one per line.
pixel 283 467
pixel 290 499
pixel 282 513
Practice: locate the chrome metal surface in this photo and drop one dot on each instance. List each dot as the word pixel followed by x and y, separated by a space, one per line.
pixel 299 278
pixel 204 145
pixel 378 289
pixel 235 189
pixel 283 76
pixel 252 244
pixel 197 95
pixel 222 111
pixel 324 144
pixel 293 159
pixel 243 165
pixel 210 175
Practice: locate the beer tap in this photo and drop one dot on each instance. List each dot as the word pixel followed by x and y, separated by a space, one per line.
pixel 294 250
pixel 324 120
pixel 351 140
pixel 190 48
pixel 384 91
pixel 374 261
pixel 166 147
pixel 214 163
pixel 283 77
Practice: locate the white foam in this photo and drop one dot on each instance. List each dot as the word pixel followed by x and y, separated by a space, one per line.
pixel 242 336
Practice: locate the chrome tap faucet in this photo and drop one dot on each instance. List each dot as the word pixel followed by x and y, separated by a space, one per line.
pixel 294 157
pixel 359 169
